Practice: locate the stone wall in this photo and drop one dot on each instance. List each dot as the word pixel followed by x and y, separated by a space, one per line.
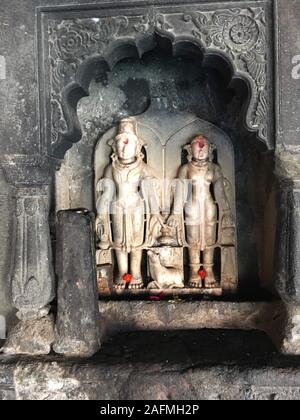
pixel 5 246
pixel 19 92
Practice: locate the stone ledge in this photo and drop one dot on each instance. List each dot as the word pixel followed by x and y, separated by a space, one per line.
pixel 193 365
pixel 128 316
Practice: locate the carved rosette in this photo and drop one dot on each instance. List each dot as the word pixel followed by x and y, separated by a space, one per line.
pixel 241 35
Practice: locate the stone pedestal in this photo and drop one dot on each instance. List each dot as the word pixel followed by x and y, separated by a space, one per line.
pixel 78 324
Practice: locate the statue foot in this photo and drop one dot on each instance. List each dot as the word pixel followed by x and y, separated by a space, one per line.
pixel 195 284
pixel 136 284
pixel 120 284
pixel 211 283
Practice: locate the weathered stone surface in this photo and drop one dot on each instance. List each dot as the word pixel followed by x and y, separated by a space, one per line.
pixel 198 365
pixel 77 322
pixel 6 202
pixel 28 171
pixel 19 90
pixel 288 88
pixel 121 316
pixel 288 238
pixel 31 337
pixel 32 274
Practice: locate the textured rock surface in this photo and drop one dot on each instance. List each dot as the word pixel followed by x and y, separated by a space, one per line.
pixel 32 337
pixel 6 309
pixel 77 324
pixel 203 365
pixel 120 316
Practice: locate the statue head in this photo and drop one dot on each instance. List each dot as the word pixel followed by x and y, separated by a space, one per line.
pixel 127 145
pixel 200 149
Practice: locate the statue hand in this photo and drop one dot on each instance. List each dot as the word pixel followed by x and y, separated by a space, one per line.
pixel 228 221
pixel 174 221
pixel 102 236
pixel 104 244
pixel 157 219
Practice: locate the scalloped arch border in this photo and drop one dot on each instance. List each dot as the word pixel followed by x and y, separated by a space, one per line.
pixel 75 48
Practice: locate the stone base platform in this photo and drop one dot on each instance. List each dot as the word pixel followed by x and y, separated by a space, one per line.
pixel 168 350
pixel 179 314
pixel 192 365
pixel 148 293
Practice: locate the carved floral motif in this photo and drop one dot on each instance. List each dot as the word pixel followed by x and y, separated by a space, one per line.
pixel 70 43
pixel 151 22
pixel 241 34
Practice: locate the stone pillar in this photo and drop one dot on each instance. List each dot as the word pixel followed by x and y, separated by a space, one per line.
pixel 78 319
pixel 74 188
pixel 32 274
pixel 288 252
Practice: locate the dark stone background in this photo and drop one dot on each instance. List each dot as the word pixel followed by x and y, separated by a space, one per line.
pixel 19 116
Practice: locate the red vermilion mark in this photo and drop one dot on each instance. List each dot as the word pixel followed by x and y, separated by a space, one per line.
pixel 201 143
pixel 202 274
pixel 125 142
pixel 127 278
pixel 161 296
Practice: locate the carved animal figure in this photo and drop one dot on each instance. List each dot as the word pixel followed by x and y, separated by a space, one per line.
pixel 164 277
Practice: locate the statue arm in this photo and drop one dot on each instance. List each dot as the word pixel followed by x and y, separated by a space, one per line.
pixel 180 197
pixel 152 194
pixel 151 190
pixel 106 192
pixel 219 189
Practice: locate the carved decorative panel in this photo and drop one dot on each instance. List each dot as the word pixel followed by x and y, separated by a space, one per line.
pixel 239 31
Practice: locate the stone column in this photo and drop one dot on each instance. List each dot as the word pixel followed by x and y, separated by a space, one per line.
pixel 78 319
pixel 287 270
pixel 32 274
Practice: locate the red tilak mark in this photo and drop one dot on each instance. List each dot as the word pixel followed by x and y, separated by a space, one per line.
pixel 201 143
pixel 126 142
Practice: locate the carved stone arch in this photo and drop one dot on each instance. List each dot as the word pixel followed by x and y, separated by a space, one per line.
pixel 86 41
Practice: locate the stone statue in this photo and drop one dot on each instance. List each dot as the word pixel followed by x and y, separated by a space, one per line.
pixel 164 277
pixel 128 206
pixel 201 204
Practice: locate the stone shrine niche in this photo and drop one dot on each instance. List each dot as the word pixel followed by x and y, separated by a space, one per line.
pixel 183 253
pixel 174 99
pixel 125 69
pixel 159 122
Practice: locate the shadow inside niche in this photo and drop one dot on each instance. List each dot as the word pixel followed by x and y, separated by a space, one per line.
pixel 183 349
pixel 193 348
